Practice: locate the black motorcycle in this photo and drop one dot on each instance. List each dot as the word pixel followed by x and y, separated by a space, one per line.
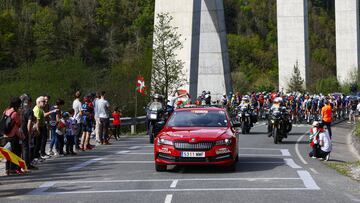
pixel 155 118
pixel 279 124
pixel 247 117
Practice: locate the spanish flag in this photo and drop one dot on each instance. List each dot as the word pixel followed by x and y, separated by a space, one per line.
pixel 9 156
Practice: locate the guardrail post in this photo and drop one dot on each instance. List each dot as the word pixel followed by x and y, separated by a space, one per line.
pixel 133 129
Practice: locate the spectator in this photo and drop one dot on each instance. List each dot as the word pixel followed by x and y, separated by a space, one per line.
pixel 116 122
pixel 103 107
pixel 54 119
pixel 45 134
pixel 87 123
pixel 14 136
pixel 77 116
pixel 27 121
pixel 96 117
pixel 60 132
pixel 314 138
pixel 71 129
pixel 325 146
pixel 326 114
pixel 39 127
pixel 352 114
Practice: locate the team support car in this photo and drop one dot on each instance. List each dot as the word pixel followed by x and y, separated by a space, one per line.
pixel 197 136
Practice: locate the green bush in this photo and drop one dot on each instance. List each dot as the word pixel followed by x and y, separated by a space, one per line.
pixel 327 85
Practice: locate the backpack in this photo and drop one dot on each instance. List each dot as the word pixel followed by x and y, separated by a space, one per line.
pixel 6 124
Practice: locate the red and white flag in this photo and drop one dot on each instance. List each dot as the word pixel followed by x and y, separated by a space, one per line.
pixel 140 86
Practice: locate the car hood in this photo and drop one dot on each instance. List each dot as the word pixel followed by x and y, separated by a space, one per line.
pixel 186 133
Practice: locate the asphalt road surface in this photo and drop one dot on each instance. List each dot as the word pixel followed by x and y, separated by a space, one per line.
pixel 124 172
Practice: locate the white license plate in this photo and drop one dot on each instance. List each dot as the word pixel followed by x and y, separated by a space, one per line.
pixel 192 154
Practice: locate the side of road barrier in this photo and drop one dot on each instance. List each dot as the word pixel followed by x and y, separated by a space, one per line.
pixel 132 122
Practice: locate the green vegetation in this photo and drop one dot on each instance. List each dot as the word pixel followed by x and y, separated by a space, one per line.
pixel 60 45
pixel 349 169
pixel 296 83
pixel 357 129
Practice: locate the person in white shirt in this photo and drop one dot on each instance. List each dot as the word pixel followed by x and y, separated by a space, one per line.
pixel 77 116
pixel 325 144
pixel 103 113
pixel 96 116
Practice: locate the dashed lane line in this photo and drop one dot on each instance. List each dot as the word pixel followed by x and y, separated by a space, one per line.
pixel 42 188
pixel 84 164
pixel 291 163
pixel 308 180
pixel 168 198
pixel 174 183
pixel 134 147
pixel 285 152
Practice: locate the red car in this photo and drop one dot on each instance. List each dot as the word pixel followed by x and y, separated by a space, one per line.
pixel 201 136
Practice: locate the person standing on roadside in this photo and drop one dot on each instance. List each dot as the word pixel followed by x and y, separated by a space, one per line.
pixel 116 114
pixel 103 110
pixel 326 115
pixel 39 127
pixel 77 116
pixel 27 122
pixel 14 136
pixel 96 117
pixel 54 119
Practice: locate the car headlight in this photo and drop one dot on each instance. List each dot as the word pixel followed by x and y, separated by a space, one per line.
pixel 224 142
pixel 163 141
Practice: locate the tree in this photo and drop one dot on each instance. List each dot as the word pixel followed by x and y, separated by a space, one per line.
pixel 167 71
pixel 296 83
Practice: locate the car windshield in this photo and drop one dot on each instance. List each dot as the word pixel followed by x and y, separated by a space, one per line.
pixel 198 118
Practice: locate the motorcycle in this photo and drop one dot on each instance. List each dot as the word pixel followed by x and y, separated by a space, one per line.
pixel 247 117
pixel 155 117
pixel 279 124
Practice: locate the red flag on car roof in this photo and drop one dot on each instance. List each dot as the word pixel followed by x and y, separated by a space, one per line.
pixel 140 86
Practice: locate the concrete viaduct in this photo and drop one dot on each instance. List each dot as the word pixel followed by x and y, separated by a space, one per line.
pixel 202 24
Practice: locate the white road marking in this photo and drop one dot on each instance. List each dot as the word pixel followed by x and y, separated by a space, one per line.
pixel 291 163
pixel 172 180
pixel 261 155
pixel 297 149
pixel 128 162
pixel 285 152
pixel 308 180
pixel 177 190
pixel 259 125
pixel 136 153
pixel 168 198
pixel 260 148
pixel 174 183
pixel 262 162
pixel 314 171
pixel 134 147
pixel 122 152
pixel 86 163
pixel 42 188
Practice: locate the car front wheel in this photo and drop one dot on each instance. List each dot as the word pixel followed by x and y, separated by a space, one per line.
pixel 160 168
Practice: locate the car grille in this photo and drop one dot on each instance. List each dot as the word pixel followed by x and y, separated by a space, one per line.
pixel 201 146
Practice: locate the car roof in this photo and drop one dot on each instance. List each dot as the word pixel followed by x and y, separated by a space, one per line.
pixel 208 108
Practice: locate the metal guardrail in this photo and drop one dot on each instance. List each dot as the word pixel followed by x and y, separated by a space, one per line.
pixel 126 121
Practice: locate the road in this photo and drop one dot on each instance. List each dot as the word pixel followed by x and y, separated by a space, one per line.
pixel 124 172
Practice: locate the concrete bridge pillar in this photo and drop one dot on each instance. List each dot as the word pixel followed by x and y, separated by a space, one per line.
pixel 293 45
pixel 202 24
pixel 347 39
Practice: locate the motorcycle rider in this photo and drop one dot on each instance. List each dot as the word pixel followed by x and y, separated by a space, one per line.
pixel 155 98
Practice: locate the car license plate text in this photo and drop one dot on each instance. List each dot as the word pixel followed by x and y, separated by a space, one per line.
pixel 192 154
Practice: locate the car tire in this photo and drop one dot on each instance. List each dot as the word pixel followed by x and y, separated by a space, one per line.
pixel 232 167
pixel 243 128
pixel 275 135
pixel 160 168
